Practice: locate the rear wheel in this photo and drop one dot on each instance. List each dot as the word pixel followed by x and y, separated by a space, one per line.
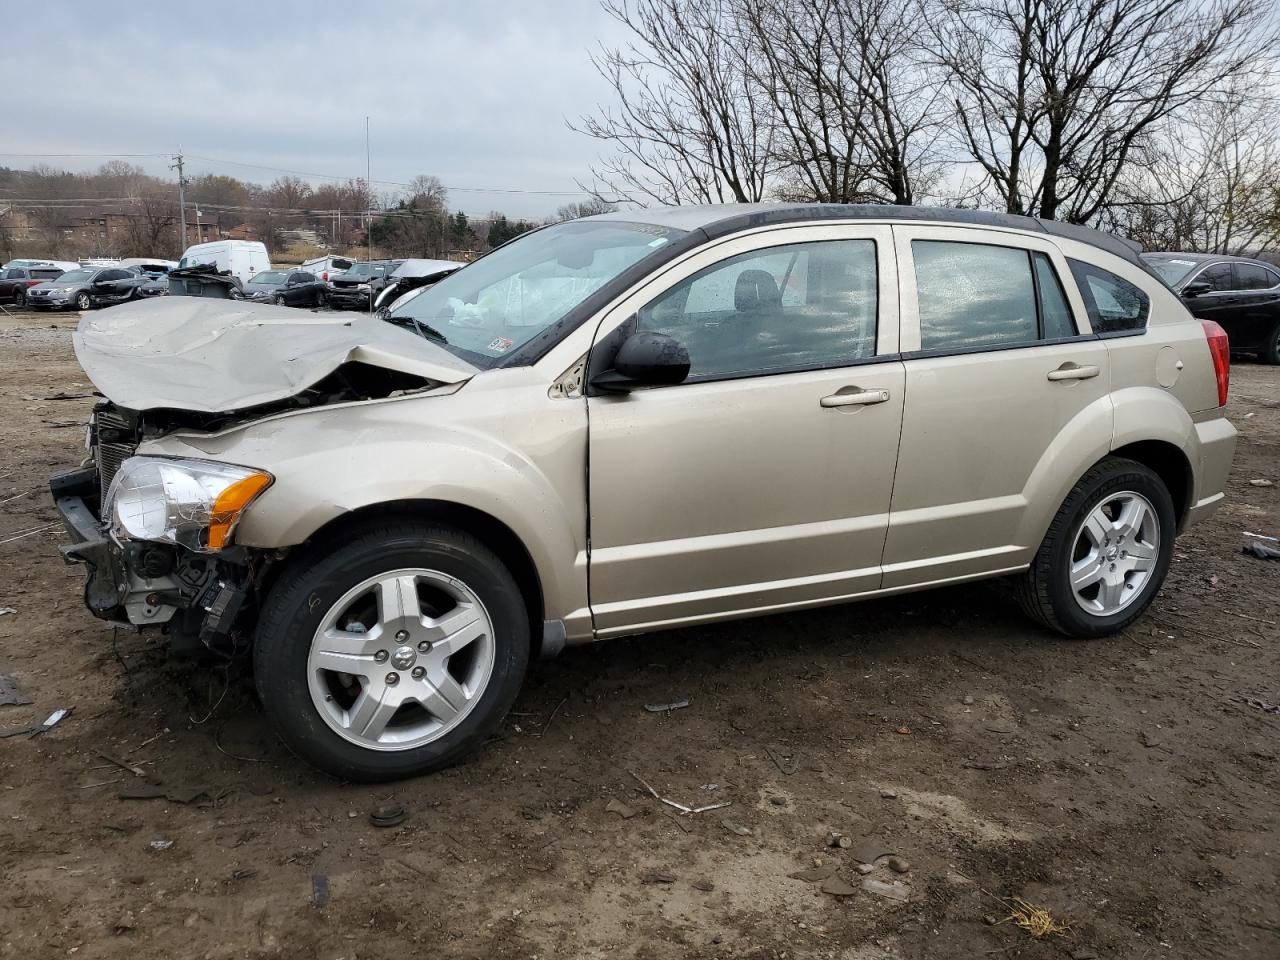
pixel 20 298
pixel 1271 349
pixel 395 653
pixel 1105 554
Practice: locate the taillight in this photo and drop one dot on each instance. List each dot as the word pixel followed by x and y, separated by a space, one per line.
pixel 32 283
pixel 325 276
pixel 1220 350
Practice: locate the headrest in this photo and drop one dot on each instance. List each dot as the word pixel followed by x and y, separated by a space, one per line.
pixel 756 290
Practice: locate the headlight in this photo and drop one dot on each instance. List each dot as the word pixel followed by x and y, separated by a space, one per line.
pixel 362 286
pixel 193 503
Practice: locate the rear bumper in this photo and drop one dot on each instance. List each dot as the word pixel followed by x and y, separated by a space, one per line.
pixel 1217 446
pixel 106 583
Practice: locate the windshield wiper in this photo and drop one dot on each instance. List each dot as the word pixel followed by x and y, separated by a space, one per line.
pixel 425 330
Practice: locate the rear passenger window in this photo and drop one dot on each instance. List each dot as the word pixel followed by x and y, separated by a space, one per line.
pixel 1114 304
pixel 795 307
pixel 973 295
pixel 1253 276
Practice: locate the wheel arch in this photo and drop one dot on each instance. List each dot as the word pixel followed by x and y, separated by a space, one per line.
pixel 1170 464
pixel 484 526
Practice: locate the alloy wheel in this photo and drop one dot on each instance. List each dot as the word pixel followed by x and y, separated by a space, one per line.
pixel 1114 553
pixel 400 659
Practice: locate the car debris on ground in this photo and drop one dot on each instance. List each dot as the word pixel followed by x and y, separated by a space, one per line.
pixel 49 723
pixel 10 694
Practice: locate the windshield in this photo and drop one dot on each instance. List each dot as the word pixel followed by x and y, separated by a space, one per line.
pixel 76 276
pixel 1172 269
pixel 505 299
pixel 270 276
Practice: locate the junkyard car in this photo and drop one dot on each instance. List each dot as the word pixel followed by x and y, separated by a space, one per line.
pixel 287 288
pixel 16 281
pixel 411 276
pixel 358 288
pixel 86 288
pixel 1240 295
pixel 632 422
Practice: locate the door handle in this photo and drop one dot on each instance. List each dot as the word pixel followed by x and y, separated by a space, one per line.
pixel 851 399
pixel 1073 371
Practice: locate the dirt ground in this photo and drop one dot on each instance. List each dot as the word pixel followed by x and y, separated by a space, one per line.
pixel 1122 785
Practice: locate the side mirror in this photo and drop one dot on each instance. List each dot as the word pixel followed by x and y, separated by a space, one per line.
pixel 645 359
pixel 1195 289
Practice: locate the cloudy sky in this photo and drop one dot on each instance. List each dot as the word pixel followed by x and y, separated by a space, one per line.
pixel 476 92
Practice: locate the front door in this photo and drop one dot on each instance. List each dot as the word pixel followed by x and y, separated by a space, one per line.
pixel 763 481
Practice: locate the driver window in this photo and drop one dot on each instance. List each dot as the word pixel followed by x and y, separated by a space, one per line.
pixel 795 307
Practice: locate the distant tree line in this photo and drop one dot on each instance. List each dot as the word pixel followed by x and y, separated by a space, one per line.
pixel 49 212
pixel 1155 117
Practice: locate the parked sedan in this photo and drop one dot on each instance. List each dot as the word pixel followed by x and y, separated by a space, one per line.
pixel 16 281
pixel 85 289
pixel 781 406
pixel 1239 294
pixel 288 288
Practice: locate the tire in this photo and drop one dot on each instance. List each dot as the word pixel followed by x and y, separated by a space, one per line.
pixel 83 302
pixel 317 711
pixel 318 301
pixel 20 298
pixel 1270 352
pixel 1104 607
pixel 278 300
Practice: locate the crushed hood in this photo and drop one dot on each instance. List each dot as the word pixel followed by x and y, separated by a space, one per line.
pixel 212 356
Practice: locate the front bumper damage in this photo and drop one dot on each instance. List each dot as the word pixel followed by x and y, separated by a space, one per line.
pixel 197 599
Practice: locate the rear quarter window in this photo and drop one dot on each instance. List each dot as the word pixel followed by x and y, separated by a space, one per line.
pixel 1115 305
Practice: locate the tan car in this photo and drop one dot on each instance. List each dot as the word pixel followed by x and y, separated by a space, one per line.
pixel 634 422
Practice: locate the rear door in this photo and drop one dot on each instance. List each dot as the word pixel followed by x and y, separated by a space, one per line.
pixel 1258 289
pixel 763 480
pixel 999 357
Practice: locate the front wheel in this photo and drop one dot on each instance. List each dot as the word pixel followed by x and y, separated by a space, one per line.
pixel 1106 552
pixel 83 302
pixel 393 654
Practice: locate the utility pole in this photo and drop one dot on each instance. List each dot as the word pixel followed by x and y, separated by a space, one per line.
pixel 182 203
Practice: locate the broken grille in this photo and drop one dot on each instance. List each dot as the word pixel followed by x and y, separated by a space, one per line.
pixel 111 453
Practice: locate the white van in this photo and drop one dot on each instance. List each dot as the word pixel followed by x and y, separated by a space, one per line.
pixel 243 258
pixel 327 266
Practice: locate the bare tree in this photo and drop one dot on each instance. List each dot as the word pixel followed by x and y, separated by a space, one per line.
pixel 854 104
pixel 583 208
pixel 427 192
pixel 685 126
pixel 289 193
pixel 1209 183
pixel 151 222
pixel 1054 98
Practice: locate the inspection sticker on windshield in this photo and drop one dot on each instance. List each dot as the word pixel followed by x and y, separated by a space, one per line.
pixel 501 344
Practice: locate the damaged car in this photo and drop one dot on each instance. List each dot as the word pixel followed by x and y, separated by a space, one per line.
pixel 634 422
